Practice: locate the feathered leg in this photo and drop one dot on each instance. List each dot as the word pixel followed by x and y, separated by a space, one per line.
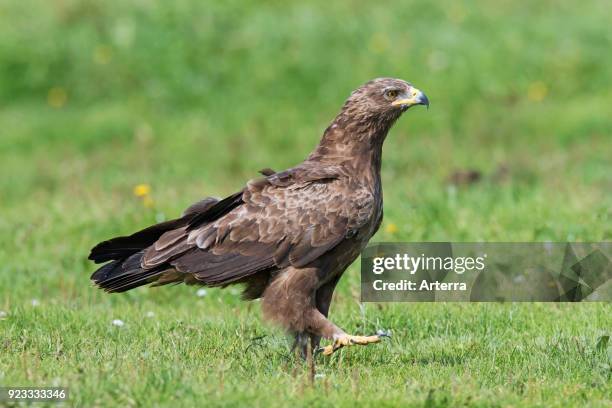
pixel 291 300
pixel 323 302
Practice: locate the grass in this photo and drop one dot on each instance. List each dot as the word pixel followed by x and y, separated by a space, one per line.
pixel 193 98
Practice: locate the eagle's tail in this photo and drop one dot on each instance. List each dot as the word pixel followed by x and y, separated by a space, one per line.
pixel 124 274
pixel 125 253
pixel 120 248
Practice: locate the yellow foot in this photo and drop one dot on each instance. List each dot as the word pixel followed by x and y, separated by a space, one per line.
pixel 348 340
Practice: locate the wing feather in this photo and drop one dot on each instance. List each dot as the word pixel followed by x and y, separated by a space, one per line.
pixel 288 218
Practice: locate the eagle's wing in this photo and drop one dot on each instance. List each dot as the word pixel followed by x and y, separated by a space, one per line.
pixel 288 218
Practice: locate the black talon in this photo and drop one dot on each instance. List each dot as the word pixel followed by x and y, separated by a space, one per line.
pixel 382 333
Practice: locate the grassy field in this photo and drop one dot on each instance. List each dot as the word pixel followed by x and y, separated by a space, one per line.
pixel 192 98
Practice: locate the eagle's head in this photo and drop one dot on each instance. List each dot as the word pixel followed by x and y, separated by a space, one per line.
pixel 366 117
pixel 384 98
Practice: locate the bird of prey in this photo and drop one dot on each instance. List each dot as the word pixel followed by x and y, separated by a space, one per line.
pixel 287 236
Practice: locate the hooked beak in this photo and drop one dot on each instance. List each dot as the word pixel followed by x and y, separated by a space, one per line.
pixel 414 97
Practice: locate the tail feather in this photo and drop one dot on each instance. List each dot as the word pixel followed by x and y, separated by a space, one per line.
pixel 123 247
pixel 105 272
pixel 122 275
pixel 125 283
pixel 124 271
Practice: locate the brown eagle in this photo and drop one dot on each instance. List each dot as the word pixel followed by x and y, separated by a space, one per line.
pixel 288 236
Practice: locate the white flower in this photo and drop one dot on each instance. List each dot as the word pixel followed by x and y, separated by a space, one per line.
pixel 3 314
pixel 201 292
pixel 35 302
pixel 118 323
pixel 319 375
pixel 150 314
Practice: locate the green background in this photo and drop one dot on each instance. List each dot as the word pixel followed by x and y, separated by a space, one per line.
pixel 193 97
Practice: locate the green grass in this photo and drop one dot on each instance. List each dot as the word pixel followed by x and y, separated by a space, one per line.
pixel 194 97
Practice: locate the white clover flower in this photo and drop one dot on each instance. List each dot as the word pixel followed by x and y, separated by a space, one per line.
pixel 150 314
pixel 201 292
pixel 3 314
pixel 35 302
pixel 118 323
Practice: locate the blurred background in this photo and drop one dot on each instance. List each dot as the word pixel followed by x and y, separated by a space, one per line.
pixel 118 114
pixel 115 115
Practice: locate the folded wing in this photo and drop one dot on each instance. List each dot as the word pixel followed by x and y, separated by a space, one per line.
pixel 287 218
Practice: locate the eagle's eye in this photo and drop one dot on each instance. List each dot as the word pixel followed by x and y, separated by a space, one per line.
pixel 391 94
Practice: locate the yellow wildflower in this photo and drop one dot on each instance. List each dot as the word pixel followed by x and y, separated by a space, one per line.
pixel 142 190
pixel 537 91
pixel 57 97
pixel 391 229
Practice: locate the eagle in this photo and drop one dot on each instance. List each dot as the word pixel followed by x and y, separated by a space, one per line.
pixel 287 236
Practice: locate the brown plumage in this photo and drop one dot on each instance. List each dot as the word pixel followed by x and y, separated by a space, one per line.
pixel 288 236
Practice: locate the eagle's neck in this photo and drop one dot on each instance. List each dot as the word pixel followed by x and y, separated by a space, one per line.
pixel 356 143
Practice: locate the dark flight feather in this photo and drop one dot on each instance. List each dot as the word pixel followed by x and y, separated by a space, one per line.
pixel 122 247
